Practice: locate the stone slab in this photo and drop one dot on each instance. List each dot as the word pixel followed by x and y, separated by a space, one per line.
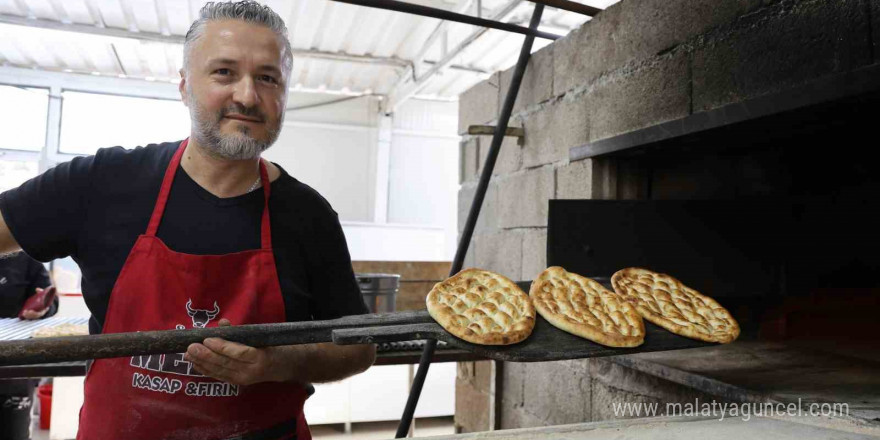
pixel 809 39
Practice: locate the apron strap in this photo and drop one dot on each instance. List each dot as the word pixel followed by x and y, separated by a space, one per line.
pixel 159 209
pixel 265 224
pixel 165 190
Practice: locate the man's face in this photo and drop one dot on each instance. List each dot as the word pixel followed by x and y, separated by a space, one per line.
pixel 234 89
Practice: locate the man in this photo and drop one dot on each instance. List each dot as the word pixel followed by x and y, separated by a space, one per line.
pixel 200 233
pixel 20 278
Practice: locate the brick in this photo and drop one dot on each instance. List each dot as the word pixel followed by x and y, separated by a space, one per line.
pixel 635 30
pixel 512 383
pixel 605 397
pixel 655 92
pixel 572 57
pixel 514 374
pixel 464 371
pixel 523 198
pixel 470 258
pixel 468 150
pixel 484 376
pixel 516 417
pixel 501 252
pixel 614 383
pixel 556 393
pixel 537 82
pixel 479 104
pixel 471 408
pixel 554 130
pixel 509 158
pixel 488 218
pixel 575 180
pixel 534 253
pixel 781 46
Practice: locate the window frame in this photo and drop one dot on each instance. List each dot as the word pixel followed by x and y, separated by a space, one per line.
pixel 27 155
pixel 68 156
pixel 56 83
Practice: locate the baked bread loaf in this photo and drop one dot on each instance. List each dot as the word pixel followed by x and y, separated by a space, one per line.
pixel 667 302
pixel 482 307
pixel 583 307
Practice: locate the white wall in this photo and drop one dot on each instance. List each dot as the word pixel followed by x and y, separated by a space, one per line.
pixel 423 175
pixel 334 149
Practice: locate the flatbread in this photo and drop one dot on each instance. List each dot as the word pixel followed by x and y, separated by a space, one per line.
pixel 482 307
pixel 583 307
pixel 61 330
pixel 667 302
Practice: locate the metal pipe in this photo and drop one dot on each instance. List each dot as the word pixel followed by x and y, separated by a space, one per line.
pixel 410 8
pixel 474 213
pixel 80 348
pixel 567 5
pixel 403 91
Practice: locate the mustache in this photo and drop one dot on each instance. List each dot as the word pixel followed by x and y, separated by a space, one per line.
pixel 240 110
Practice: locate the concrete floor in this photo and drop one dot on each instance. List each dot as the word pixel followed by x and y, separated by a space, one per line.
pixel 687 428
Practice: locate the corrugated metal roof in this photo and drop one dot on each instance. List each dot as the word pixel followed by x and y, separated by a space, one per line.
pixel 338 47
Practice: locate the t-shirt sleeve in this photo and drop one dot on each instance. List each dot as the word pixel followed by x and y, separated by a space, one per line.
pixel 331 277
pixel 46 214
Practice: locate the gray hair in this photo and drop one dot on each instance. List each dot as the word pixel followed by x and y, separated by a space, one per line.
pixel 245 10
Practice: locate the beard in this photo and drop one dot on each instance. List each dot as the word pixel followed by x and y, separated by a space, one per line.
pixel 239 145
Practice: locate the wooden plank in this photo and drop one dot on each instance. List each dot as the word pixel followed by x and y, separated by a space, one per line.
pixel 546 343
pixel 80 348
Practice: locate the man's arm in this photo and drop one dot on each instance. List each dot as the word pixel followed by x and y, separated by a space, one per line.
pixel 240 364
pixel 8 244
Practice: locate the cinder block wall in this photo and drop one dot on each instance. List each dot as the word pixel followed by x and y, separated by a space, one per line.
pixel 637 64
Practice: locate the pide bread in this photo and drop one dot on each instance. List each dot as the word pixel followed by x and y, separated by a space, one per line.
pixel 583 307
pixel 667 302
pixel 482 307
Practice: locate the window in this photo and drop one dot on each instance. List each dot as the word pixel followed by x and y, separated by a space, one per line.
pixel 23 118
pixel 91 121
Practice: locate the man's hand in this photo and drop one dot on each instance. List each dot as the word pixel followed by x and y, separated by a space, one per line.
pixel 239 364
pixel 35 314
pixel 232 362
pixel 30 315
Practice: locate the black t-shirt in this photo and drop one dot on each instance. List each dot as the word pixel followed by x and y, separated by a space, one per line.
pixel 20 276
pixel 94 208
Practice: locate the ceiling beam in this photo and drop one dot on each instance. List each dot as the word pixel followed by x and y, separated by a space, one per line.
pixel 178 40
pixel 416 9
pixel 566 5
pixel 407 86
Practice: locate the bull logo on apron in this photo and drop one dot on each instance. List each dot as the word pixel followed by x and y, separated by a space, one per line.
pixel 200 317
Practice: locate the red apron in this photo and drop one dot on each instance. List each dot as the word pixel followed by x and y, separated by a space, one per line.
pixel 160 396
